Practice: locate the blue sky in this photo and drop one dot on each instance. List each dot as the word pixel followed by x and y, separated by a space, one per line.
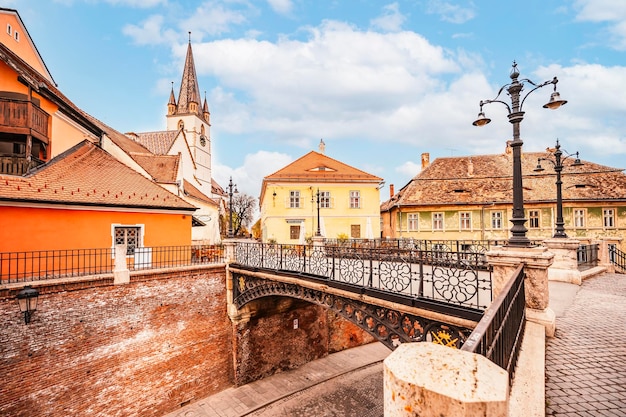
pixel 381 82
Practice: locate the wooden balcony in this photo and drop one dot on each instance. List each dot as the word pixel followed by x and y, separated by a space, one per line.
pixel 25 118
pixel 17 164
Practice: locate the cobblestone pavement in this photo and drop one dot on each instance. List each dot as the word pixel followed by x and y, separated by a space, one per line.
pixel 586 360
pixel 355 394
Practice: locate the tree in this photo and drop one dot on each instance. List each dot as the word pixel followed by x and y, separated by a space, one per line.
pixel 243 212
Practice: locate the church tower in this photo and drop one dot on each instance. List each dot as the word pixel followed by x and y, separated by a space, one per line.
pixel 193 121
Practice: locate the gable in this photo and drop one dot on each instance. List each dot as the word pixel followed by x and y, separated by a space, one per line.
pixel 13 35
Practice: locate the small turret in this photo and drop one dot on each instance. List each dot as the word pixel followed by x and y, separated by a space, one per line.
pixel 205 111
pixel 171 105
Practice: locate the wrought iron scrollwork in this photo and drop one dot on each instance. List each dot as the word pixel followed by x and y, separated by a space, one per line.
pixel 389 326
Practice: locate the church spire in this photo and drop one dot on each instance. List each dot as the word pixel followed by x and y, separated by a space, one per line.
pixel 189 96
pixel 205 110
pixel 171 105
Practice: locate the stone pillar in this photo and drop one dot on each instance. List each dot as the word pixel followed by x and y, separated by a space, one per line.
pixel 121 274
pixel 603 256
pixel 229 250
pixel 537 260
pixel 565 266
pixel 429 380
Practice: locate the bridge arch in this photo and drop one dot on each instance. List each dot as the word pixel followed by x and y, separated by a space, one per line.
pixel 388 325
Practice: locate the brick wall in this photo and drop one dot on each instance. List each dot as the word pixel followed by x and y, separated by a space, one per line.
pixel 140 349
pixel 269 343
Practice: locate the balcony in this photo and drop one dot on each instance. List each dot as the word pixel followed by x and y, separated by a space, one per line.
pixel 23 118
pixel 17 164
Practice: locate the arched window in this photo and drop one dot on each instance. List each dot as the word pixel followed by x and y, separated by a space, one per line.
pixel 181 124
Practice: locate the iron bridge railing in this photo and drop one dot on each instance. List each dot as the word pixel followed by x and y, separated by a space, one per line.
pixel 498 335
pixel 587 256
pixel 458 278
pixel 617 258
pixel 51 264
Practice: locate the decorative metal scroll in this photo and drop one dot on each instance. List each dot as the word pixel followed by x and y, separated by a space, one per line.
pixel 456 278
pixel 389 326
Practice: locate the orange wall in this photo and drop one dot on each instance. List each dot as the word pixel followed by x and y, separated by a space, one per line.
pixel 27 229
pixel 23 48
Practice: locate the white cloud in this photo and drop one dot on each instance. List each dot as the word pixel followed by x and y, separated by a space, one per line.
pixel 409 168
pixel 449 12
pixel 150 32
pixel 214 18
pixel 281 6
pixel 605 11
pixel 249 175
pixel 391 19
pixel 137 3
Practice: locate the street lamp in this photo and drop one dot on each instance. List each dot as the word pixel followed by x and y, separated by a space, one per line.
pixel 558 167
pixel 516 115
pixel 318 232
pixel 230 205
pixel 27 300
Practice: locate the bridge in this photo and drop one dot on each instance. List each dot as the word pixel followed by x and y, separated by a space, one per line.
pixel 395 294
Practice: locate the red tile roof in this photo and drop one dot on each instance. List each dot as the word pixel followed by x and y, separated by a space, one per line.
pixel 193 192
pixel 162 168
pixel 483 179
pixel 87 175
pixel 158 143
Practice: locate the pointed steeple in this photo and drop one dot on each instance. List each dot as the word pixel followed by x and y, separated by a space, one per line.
pixel 171 105
pixel 205 110
pixel 189 96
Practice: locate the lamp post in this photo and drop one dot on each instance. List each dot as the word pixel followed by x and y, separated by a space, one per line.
pixel 558 167
pixel 230 206
pixel 27 299
pixel 516 115
pixel 318 232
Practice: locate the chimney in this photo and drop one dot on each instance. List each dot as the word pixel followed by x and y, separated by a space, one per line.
pixel 508 149
pixel 425 159
pixel 470 168
pixel 391 191
pixel 322 146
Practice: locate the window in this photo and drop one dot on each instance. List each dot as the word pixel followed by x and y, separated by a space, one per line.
pixel 129 236
pixel 496 220
pixel 437 221
pixel 413 221
pixel 294 232
pixel 181 125
pixel 533 219
pixel 465 218
pixel 294 199
pixel 355 231
pixel 579 217
pixel 609 218
pixel 324 199
pixel 17 35
pixel 355 199
pixel 9 29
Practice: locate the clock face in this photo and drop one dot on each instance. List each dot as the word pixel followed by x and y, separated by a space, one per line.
pixel 202 140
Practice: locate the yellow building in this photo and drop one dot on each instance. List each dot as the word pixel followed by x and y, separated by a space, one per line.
pixel 346 199
pixel 470 198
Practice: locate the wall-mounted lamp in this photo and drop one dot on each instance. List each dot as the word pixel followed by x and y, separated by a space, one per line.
pixel 27 299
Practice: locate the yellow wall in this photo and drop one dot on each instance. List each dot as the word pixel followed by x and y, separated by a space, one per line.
pixel 275 211
pixel 28 229
pixel 593 228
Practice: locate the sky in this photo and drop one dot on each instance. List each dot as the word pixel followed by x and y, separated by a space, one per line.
pixel 381 82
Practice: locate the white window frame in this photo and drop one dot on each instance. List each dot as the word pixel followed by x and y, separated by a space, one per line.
pixel 496 219
pixel 531 218
pixel 9 29
pixel 608 216
pixel 465 220
pixel 16 35
pixel 355 199
pixel 438 218
pixel 140 238
pixel 325 199
pixel 294 199
pixel 580 218
pixel 413 222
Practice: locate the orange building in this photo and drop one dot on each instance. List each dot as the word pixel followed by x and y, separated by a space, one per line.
pixel 58 188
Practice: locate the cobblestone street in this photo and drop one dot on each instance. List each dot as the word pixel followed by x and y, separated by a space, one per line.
pixel 586 361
